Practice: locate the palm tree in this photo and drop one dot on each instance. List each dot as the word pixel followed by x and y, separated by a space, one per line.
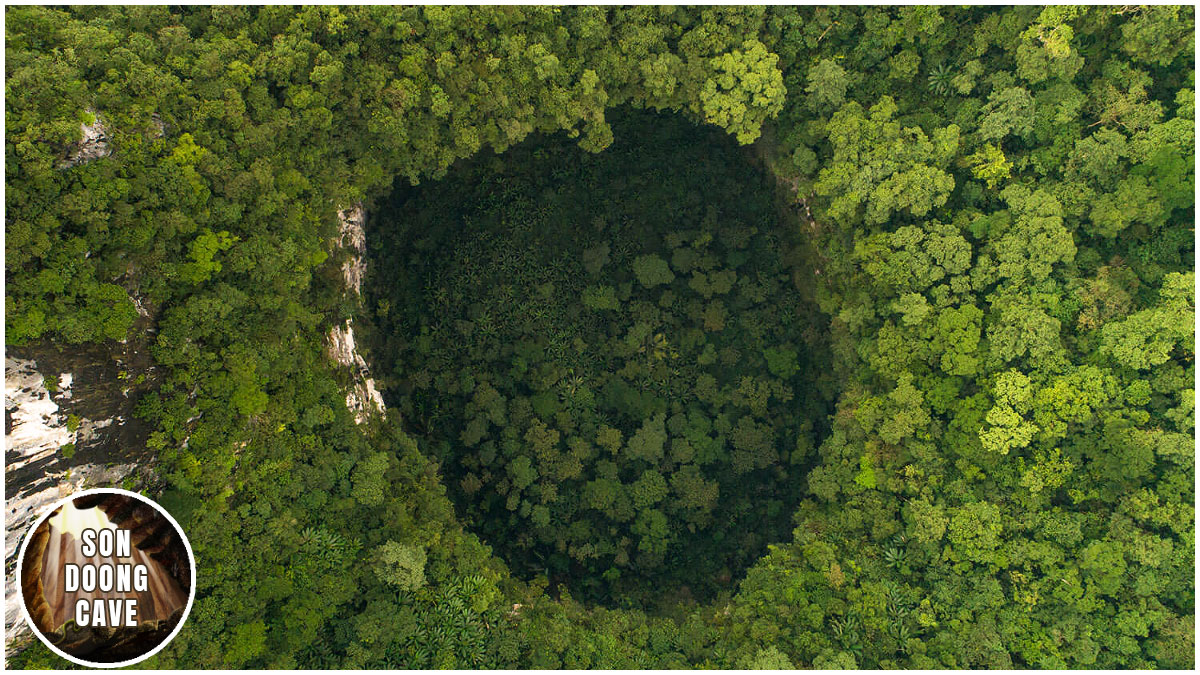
pixel 940 79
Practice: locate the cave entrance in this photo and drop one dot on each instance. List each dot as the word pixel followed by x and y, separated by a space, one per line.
pixel 613 356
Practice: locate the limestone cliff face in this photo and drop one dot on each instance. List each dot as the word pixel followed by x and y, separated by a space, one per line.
pixel 59 442
pixel 363 398
pixel 352 236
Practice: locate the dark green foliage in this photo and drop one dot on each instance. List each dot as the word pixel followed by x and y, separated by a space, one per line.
pixel 573 437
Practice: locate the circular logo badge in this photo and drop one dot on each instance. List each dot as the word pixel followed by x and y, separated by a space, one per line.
pixel 107 578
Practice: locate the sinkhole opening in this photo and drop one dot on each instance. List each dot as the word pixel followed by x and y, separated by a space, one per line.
pixel 615 357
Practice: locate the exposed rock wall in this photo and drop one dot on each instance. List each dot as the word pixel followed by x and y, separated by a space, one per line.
pixel 91 147
pixel 58 443
pixel 353 237
pixel 363 398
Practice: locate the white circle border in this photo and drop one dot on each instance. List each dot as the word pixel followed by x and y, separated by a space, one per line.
pixel 186 544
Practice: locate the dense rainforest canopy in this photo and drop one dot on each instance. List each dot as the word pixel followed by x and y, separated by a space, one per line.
pixel 732 337
pixel 609 353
